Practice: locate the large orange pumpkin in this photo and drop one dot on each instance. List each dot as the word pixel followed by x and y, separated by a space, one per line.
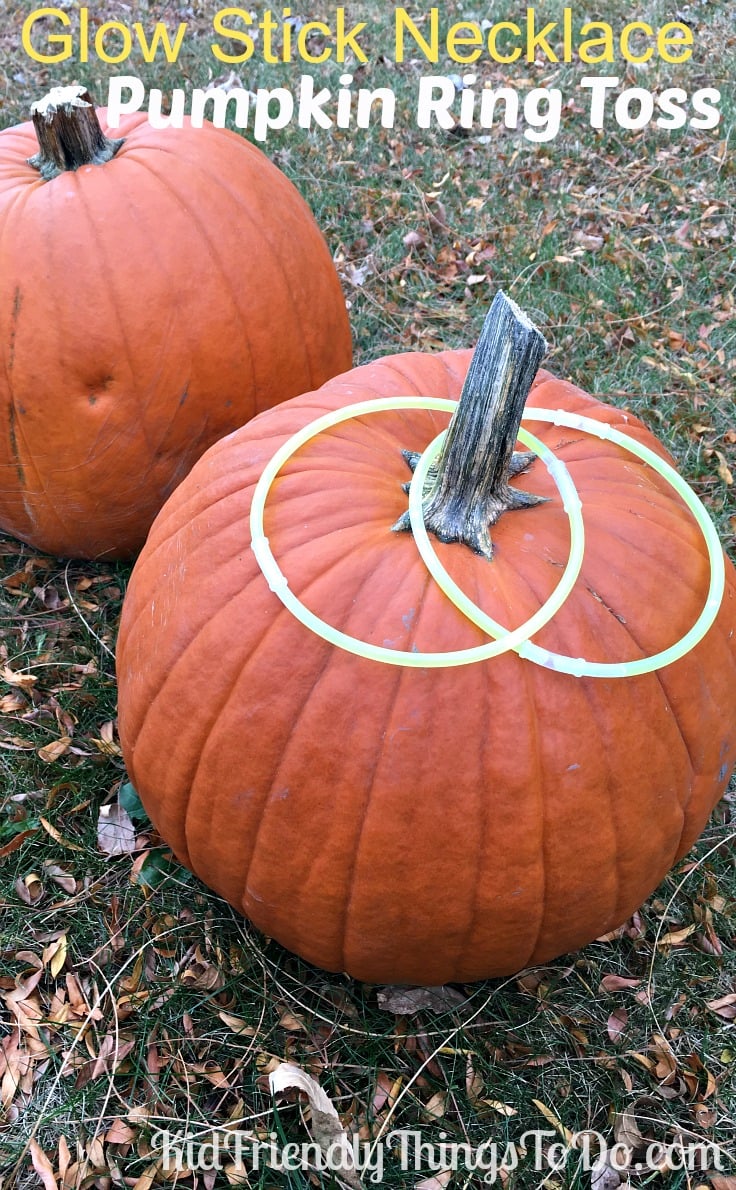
pixel 150 302
pixel 422 825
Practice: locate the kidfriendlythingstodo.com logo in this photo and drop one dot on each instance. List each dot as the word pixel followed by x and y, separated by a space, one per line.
pixel 411 1152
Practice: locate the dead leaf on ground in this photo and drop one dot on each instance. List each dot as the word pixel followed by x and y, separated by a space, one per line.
pixel 55 749
pixel 603 1177
pixel 43 1166
pixel 725 1007
pixel 617 983
pixel 556 1123
pixel 115 830
pixel 237 1024
pixel 408 1001
pixel 627 1132
pixel 617 1023
pixel 437 1105
pixel 438 1182
pixel 327 1128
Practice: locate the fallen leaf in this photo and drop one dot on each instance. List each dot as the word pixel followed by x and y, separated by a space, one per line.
pixel 617 983
pixel 292 1022
pixel 503 1109
pixel 723 469
pixel 677 937
pixel 16 842
pixel 120 1133
pixel 29 889
pixel 16 679
pixel 617 1023
pixel 55 955
pixel 408 1001
pixel 115 831
pixel 42 1166
pixel 593 243
pixel 437 1105
pixel 437 1182
pixel 55 749
pixel 473 1082
pixel 237 1024
pixel 626 1131
pixel 557 1124
pixel 327 1128
pixel 602 1177
pixel 61 877
pixel 57 835
pixel 725 1007
pixel 414 239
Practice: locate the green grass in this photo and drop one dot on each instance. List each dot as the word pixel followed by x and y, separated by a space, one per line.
pixel 621 246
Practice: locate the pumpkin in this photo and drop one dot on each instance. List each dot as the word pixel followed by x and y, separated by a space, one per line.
pixel 156 291
pixel 424 825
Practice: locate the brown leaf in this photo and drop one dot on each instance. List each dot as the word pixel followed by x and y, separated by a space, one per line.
pixel 57 836
pixel 54 956
pixel 414 239
pixel 602 1177
pixel 292 1022
pixel 17 679
pixel 617 1023
pixel 677 937
pixel 587 240
pixel 16 842
pixel 237 1024
pixel 408 1001
pixel 725 1007
pixel 29 889
pixel 327 1128
pixel 557 1124
pixel 437 1182
pixel 723 469
pixel 386 1091
pixel 55 749
pixel 617 983
pixel 115 831
pixel 474 1084
pixel 626 1130
pixel 43 1166
pixel 60 877
pixel 437 1105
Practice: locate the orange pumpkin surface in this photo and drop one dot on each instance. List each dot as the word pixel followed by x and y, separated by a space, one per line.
pixel 422 825
pixel 148 305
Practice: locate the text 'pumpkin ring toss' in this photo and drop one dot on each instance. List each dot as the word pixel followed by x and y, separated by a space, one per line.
pixel 503 640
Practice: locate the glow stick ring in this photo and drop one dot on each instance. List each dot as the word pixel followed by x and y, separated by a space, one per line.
pixel 643 665
pixel 504 641
pixel 580 666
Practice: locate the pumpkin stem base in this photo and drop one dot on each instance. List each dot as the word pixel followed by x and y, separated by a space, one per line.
pixel 469 489
pixel 69 133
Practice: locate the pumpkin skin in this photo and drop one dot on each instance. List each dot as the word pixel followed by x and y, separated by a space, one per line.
pixel 138 305
pixel 428 825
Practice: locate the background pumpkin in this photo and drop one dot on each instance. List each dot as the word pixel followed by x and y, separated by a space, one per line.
pixel 422 826
pixel 149 304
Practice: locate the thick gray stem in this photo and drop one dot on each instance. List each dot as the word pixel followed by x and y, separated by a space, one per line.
pixel 470 488
pixel 69 133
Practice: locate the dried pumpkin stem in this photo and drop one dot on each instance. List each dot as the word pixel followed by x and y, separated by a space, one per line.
pixel 470 488
pixel 69 133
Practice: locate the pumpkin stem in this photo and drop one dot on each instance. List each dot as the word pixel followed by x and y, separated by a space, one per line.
pixel 469 489
pixel 69 133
